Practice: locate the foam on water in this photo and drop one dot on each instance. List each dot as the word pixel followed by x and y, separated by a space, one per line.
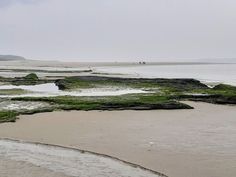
pixel 70 162
pixel 19 105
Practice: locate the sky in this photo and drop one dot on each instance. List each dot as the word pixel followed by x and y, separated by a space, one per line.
pixel 118 30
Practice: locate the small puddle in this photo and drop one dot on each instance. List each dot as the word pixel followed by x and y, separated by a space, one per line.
pixel 50 89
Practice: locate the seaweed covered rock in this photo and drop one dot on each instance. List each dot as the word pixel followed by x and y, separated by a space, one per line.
pixel 224 87
pixel 92 81
pixel 31 77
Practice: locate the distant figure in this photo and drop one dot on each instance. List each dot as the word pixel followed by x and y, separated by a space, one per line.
pixel 142 62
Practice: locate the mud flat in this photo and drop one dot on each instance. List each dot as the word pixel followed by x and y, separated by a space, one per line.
pixel 68 161
pixel 179 143
pixel 11 168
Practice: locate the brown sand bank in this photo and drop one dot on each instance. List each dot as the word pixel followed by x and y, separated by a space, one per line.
pixel 178 143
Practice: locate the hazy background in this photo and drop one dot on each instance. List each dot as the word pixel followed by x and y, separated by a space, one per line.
pixel 118 30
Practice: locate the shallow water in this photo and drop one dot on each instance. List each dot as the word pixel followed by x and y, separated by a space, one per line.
pixel 210 73
pixel 69 162
pixel 43 68
pixel 50 89
pixel 13 74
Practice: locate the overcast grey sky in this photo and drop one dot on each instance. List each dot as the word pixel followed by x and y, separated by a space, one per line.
pixel 118 30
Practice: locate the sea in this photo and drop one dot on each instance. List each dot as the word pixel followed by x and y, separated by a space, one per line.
pixel 207 73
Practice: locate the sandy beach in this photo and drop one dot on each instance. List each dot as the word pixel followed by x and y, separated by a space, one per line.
pixel 178 143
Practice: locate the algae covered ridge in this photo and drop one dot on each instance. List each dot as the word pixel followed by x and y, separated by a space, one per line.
pixel 159 94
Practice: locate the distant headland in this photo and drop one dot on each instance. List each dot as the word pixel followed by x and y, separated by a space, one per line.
pixel 11 58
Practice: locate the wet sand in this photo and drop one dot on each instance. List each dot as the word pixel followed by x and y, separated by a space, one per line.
pixel 11 168
pixel 72 162
pixel 178 143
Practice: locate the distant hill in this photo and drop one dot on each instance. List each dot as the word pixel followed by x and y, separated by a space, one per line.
pixel 10 58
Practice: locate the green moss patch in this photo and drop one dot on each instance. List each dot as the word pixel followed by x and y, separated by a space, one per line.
pixel 12 91
pixel 8 116
pixel 132 102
